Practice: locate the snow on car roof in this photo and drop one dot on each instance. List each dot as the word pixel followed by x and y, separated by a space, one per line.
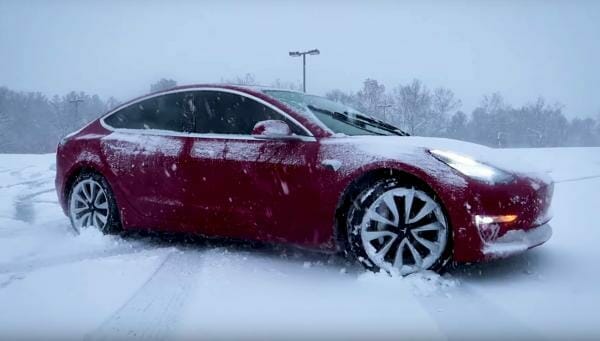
pixel 254 88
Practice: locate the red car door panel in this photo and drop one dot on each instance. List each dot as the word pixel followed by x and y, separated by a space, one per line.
pixel 146 153
pixel 267 191
pixel 246 186
pixel 147 167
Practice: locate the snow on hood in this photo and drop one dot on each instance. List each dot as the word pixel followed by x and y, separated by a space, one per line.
pixel 396 146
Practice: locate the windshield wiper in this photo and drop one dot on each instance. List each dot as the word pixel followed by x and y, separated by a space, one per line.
pixel 379 123
pixel 360 121
pixel 366 121
pixel 343 117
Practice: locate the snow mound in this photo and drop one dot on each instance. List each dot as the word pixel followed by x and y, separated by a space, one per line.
pixel 94 237
pixel 424 283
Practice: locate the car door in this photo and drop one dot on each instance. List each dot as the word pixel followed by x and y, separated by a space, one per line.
pixel 255 188
pixel 146 151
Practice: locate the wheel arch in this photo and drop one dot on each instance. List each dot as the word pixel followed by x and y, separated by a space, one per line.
pixel 114 223
pixel 72 176
pixel 367 178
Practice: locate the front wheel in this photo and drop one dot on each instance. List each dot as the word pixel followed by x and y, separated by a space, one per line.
pixel 92 205
pixel 398 228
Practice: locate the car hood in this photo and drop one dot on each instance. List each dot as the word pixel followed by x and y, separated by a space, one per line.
pixel 394 147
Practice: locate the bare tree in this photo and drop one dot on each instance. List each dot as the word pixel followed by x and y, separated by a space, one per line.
pixel 457 126
pixel 279 84
pixel 443 103
pixel 370 97
pixel 494 103
pixel 60 117
pixel 340 96
pixel 4 129
pixel 247 79
pixel 412 105
pixel 112 103
pixel 163 84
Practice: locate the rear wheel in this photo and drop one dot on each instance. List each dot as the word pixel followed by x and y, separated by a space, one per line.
pixel 92 205
pixel 398 228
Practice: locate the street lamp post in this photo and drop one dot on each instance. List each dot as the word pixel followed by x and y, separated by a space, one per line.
pixel 384 106
pixel 303 54
pixel 76 102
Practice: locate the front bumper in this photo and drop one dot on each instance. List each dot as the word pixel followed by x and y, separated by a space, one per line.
pixel 517 241
pixel 527 199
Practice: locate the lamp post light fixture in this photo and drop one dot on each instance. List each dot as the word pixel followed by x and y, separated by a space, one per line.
pixel 303 54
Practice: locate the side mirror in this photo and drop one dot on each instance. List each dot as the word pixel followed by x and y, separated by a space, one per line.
pixel 272 129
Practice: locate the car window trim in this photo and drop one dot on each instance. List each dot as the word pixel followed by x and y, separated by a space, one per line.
pixel 206 89
pixel 161 132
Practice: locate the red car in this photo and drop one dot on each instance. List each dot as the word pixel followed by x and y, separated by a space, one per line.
pixel 286 167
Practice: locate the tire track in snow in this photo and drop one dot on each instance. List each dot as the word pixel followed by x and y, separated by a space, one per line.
pixel 154 310
pixel 467 306
pixel 35 194
pixel 30 183
pixel 24 205
pixel 21 267
pixel 11 279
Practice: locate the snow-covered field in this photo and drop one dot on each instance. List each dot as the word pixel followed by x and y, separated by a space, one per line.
pixel 57 285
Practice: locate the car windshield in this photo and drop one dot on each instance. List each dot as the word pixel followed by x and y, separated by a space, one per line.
pixel 338 117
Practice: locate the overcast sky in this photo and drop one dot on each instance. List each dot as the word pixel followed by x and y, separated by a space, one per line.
pixel 522 49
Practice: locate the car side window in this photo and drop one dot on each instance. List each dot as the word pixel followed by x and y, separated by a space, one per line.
pixel 226 113
pixel 172 112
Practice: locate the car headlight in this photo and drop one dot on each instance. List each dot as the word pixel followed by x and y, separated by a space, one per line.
pixel 471 167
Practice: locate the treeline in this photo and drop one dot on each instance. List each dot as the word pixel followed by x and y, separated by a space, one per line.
pixel 436 112
pixel 31 122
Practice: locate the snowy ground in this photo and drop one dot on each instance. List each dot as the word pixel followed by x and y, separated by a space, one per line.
pixel 54 284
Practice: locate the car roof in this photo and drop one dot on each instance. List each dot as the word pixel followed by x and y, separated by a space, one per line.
pixel 255 90
pixel 240 87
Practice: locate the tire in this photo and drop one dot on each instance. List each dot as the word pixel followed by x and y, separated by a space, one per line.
pixel 378 226
pixel 92 204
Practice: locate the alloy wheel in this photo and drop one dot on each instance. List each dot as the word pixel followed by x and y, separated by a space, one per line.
pixel 404 231
pixel 89 205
